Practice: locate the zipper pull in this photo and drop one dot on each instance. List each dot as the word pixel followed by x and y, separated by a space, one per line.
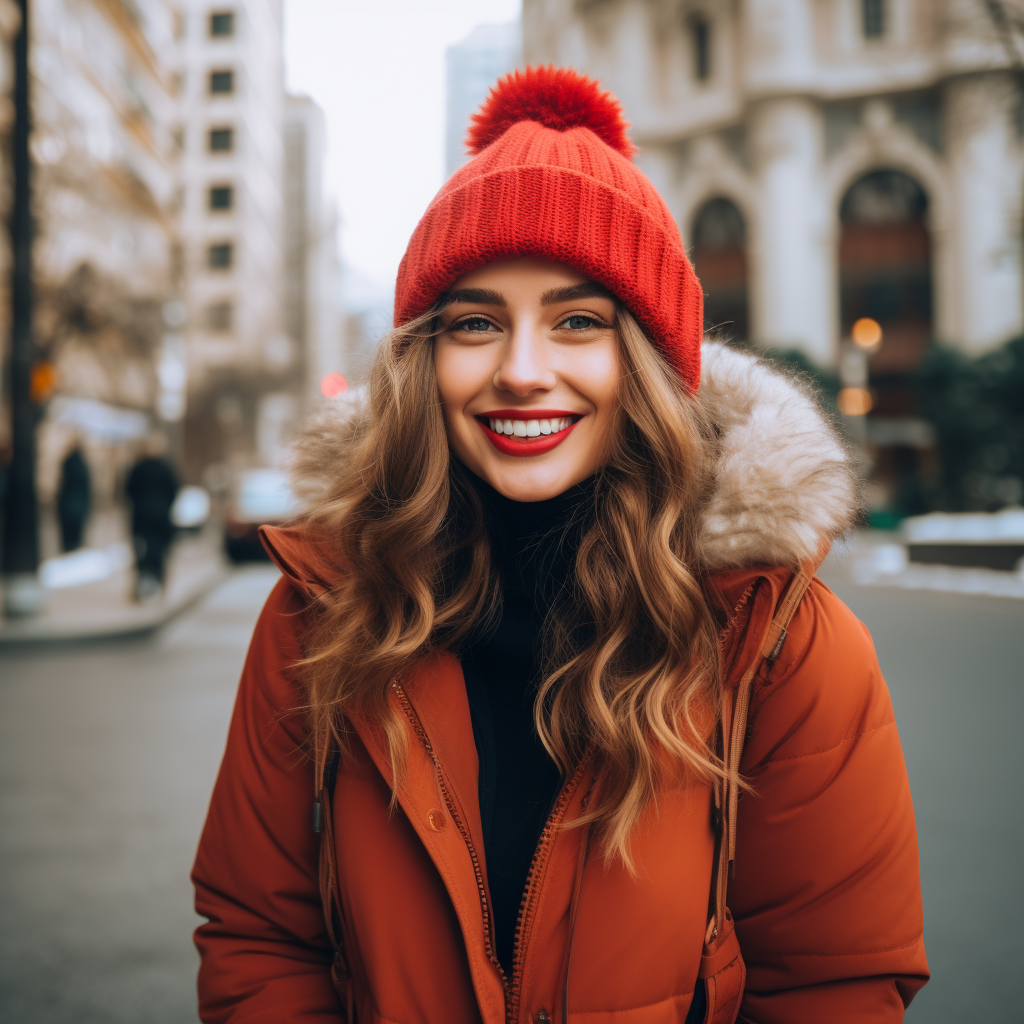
pixel 543 1017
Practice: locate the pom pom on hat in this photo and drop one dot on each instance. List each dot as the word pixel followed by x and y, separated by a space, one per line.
pixel 558 98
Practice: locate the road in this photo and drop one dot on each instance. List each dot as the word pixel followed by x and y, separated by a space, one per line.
pixel 955 667
pixel 108 753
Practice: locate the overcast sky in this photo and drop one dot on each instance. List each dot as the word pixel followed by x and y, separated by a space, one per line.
pixel 376 67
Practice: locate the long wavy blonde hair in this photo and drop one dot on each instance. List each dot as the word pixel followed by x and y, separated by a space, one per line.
pixel 406 533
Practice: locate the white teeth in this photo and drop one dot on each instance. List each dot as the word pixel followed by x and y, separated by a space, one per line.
pixel 529 428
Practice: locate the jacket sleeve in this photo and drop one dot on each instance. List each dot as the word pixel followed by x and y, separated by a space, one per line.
pixel 826 890
pixel 264 952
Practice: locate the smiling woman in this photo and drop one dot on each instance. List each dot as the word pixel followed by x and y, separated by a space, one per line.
pixel 577 744
pixel 528 364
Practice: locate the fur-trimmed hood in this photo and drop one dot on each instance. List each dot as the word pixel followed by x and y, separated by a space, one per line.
pixel 784 482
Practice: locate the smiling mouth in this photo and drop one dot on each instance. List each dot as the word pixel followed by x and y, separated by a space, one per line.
pixel 514 432
pixel 527 430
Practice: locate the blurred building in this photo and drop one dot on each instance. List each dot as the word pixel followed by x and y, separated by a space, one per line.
pixel 472 66
pixel 231 335
pixel 10 20
pixel 102 193
pixel 825 159
pixel 828 161
pixel 312 278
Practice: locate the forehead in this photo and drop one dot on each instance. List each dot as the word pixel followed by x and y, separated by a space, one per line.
pixel 522 271
pixel 514 282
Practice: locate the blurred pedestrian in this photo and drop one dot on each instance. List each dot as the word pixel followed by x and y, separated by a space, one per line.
pixel 151 489
pixel 74 498
pixel 544 636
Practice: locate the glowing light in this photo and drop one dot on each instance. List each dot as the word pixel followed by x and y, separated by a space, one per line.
pixel 333 384
pixel 867 332
pixel 43 381
pixel 855 401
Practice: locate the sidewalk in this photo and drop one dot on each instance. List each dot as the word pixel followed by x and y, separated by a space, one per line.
pixel 105 609
pixel 876 558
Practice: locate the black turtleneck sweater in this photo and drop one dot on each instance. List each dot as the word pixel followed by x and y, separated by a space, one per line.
pixel 534 546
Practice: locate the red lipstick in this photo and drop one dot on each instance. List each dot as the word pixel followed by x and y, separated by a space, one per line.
pixel 526 446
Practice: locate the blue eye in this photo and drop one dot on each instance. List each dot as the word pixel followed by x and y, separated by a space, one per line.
pixel 579 322
pixel 476 324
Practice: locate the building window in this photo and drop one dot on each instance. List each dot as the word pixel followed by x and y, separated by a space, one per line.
pixel 719 253
pixel 222 197
pixel 222 82
pixel 222 24
pixel 219 316
pixel 220 256
pixel 177 261
pixel 873 14
pixel 222 140
pixel 700 31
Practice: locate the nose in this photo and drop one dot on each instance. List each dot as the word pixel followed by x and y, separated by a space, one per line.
pixel 525 363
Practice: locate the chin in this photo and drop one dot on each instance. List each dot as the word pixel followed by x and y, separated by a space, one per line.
pixel 532 483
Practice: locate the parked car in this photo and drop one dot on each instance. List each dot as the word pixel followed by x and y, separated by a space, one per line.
pixel 259 497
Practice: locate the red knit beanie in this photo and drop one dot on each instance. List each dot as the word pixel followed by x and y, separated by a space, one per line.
pixel 552 178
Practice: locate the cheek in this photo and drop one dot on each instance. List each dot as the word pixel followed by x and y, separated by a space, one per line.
pixel 461 374
pixel 596 376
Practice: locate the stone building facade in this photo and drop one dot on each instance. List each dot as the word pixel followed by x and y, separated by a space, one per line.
pixel 826 160
pixel 103 195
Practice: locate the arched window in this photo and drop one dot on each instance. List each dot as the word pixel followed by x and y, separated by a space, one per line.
pixel 885 275
pixel 718 251
pixel 885 267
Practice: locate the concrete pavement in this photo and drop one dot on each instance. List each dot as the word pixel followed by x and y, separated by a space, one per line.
pixel 955 667
pixel 108 752
pixel 104 608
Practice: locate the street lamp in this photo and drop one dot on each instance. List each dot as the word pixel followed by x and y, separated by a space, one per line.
pixel 855 400
pixel 23 593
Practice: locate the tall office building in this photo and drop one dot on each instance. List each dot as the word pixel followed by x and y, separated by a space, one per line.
pixel 472 66
pixel 312 278
pixel 103 192
pixel 230 133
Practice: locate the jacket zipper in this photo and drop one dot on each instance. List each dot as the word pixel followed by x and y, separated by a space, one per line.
pixel 528 906
pixel 485 905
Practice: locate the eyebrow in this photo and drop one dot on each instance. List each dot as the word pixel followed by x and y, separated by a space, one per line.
pixel 477 296
pixel 567 293
pixel 571 292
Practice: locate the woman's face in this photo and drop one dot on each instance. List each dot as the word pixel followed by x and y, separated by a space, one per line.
pixel 528 368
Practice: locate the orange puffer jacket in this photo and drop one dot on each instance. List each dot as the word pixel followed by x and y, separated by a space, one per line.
pixel 825 891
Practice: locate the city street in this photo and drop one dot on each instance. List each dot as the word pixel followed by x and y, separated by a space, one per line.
pixel 108 752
